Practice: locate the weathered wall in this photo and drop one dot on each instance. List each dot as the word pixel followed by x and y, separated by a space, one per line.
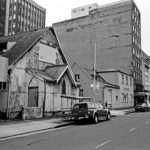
pixel 32 113
pixel 86 82
pixel 77 38
pixel 21 80
pixel 54 102
pixel 111 103
pixel 127 90
pixel 116 78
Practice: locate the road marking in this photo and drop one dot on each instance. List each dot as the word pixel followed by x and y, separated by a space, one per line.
pixel 147 122
pixel 102 144
pixel 32 133
pixel 132 129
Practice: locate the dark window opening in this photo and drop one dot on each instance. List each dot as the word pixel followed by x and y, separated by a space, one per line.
pixel 81 92
pixel 2 85
pixel 77 77
pixel 63 87
pixel 3 48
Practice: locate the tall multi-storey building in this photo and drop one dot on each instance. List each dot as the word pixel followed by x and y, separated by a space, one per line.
pixel 20 16
pixel 2 17
pixel 145 71
pixel 80 36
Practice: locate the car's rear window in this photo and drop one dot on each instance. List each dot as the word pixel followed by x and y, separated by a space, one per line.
pixel 80 106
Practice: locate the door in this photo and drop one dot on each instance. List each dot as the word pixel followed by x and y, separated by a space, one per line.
pixel 33 97
pixel 109 99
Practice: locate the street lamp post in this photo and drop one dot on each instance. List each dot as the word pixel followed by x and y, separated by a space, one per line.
pixel 95 51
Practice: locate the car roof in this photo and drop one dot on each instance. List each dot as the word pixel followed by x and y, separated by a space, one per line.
pixel 88 103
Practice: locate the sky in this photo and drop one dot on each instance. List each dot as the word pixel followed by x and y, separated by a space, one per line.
pixel 60 10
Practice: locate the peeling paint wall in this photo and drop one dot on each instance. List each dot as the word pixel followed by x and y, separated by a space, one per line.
pixel 20 81
pixel 32 113
pixel 125 90
pixel 54 102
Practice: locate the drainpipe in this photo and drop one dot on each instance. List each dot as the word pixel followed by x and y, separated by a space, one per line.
pixel 44 98
pixel 104 94
pixel 7 107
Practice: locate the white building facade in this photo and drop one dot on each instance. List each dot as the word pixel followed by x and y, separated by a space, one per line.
pixel 124 97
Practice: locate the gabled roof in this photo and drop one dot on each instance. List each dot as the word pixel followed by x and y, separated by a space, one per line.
pixel 57 71
pixel 39 73
pixel 24 42
pixel 52 73
pixel 88 72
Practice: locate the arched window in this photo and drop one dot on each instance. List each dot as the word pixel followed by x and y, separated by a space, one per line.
pixel 63 87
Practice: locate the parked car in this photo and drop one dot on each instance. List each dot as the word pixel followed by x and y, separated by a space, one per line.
pixel 89 110
pixel 142 107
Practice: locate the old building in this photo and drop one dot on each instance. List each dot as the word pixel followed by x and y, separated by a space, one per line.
pixel 38 74
pixel 145 71
pixel 18 16
pixel 112 87
pixel 78 37
pixel 144 95
pixel 125 97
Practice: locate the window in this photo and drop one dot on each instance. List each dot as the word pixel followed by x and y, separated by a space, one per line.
pixel 10 17
pixel 77 77
pixel 81 92
pixel 131 98
pixel 123 97
pixel 63 87
pixel 126 98
pixel 14 7
pixel 126 80
pixel 14 25
pixel 133 28
pixel 133 51
pixel 116 98
pixel 133 39
pixel 2 85
pixel 122 79
pixel 130 81
pixel 14 17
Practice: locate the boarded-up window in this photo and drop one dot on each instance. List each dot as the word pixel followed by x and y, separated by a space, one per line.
pixel 33 97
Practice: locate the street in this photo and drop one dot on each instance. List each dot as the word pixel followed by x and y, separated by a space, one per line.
pixel 129 132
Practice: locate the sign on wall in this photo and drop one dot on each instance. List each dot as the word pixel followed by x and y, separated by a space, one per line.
pixel 48 54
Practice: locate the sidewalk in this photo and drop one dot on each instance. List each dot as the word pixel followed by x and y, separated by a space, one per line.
pixel 121 112
pixel 10 129
pixel 22 127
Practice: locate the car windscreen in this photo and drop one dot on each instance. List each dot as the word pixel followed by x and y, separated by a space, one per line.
pixel 80 106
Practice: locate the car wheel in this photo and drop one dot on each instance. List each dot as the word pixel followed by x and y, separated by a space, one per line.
pixel 108 116
pixel 95 118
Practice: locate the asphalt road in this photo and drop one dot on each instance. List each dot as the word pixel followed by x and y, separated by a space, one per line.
pixel 130 132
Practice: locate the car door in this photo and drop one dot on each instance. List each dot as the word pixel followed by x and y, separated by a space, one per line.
pixel 98 109
pixel 102 110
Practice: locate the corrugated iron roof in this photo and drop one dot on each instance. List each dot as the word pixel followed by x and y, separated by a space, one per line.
pixel 24 42
pixel 56 71
pixel 40 73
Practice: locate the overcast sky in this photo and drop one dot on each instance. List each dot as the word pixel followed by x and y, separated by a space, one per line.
pixel 60 10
